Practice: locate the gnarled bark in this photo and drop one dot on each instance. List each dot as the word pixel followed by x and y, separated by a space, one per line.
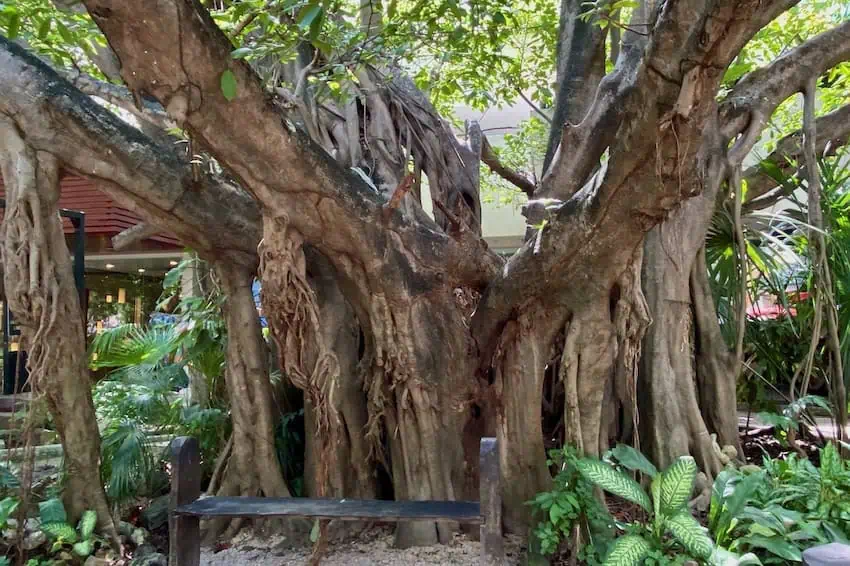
pixel 253 468
pixel 40 289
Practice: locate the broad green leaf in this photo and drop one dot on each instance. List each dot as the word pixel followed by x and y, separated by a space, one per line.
pixel 87 524
pixel 307 14
pixel 614 482
pixel 7 507
pixel 633 460
pixel 228 85
pixel 655 489
pixel 60 531
pixel 8 480
pixel 690 534
pixel 718 495
pixel 84 548
pixel 52 511
pixel 13 25
pixel 64 32
pixel 775 545
pixel 677 483
pixel 315 531
pixel 241 53
pixel 628 550
pixel 44 28
pixel 743 492
pixel 763 518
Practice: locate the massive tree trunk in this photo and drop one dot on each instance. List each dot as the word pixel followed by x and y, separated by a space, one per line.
pixel 651 138
pixel 352 467
pixel 253 468
pixel 42 295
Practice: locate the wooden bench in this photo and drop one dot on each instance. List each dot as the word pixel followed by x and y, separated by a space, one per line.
pixel 187 507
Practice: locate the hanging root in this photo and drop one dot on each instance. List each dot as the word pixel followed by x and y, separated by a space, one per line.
pixel 293 313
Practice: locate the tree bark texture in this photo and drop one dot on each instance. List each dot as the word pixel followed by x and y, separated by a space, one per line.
pixel 650 138
pixel 253 468
pixel 41 292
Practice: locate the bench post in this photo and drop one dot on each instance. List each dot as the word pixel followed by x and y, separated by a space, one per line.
pixel 184 532
pixel 492 551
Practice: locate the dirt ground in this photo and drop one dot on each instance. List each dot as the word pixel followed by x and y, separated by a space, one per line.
pixel 374 547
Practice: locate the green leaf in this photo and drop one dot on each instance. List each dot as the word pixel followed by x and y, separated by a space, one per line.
pixel 762 518
pixel 307 14
pixel 52 511
pixel 743 492
pixel 690 534
pixel 84 548
pixel 628 550
pixel 7 507
pixel 64 32
pixel 87 524
pixel 228 85
pixel 314 532
pixel 8 480
pixel 499 19
pixel 241 53
pixel 633 460
pixel 613 481
pixel 677 484
pixel 60 531
pixel 44 28
pixel 775 545
pixel 13 25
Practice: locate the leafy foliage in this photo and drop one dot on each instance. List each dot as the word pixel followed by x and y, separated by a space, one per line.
pixel 571 504
pixel 139 397
pixel 667 509
pixel 669 535
pixel 776 513
pixel 54 524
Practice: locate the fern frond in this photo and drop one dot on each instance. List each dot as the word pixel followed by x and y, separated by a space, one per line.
pixel 614 482
pixel 690 534
pixel 629 550
pixel 677 484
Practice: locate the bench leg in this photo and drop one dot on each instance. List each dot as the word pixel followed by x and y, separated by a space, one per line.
pixel 184 532
pixel 492 550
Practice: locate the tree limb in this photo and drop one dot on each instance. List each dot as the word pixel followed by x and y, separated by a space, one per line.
pixel 760 92
pixel 214 218
pixel 133 234
pixel 489 157
pixel 312 190
pixel 833 131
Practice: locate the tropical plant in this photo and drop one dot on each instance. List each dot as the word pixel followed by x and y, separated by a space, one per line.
pixel 569 505
pixel 776 513
pixel 7 506
pixel 54 524
pixel 670 530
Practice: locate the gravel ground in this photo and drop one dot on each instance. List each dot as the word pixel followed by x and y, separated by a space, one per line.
pixel 372 548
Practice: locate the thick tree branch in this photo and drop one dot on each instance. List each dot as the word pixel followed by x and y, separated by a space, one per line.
pixel 133 234
pixel 489 157
pixel 211 217
pixel 760 92
pixel 833 132
pixel 174 51
pixel 150 110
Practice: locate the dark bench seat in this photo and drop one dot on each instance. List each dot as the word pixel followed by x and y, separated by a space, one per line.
pixel 187 507
pixel 340 509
